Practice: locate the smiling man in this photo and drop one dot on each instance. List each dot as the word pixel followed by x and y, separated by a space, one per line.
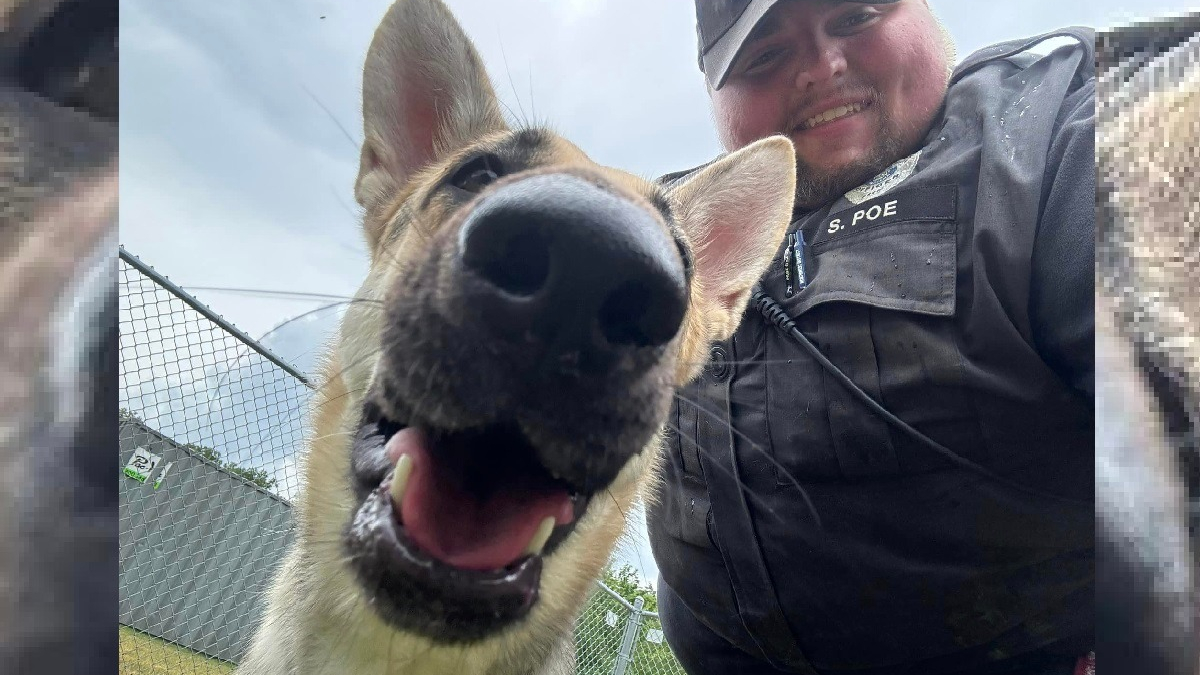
pixel 889 468
pixel 878 77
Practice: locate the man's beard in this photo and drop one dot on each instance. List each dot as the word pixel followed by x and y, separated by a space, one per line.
pixel 815 187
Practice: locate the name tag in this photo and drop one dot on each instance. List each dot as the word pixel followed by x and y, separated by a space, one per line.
pixel 937 202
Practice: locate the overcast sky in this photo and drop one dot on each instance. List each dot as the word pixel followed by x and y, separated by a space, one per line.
pixel 240 124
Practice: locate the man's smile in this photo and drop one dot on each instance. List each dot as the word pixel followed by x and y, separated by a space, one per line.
pixel 831 112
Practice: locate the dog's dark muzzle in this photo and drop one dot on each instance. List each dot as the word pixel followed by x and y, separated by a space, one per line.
pixel 552 306
pixel 563 268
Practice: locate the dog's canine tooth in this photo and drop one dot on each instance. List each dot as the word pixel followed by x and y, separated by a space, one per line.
pixel 400 479
pixel 541 536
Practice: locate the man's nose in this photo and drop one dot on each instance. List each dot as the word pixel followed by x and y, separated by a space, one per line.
pixel 819 62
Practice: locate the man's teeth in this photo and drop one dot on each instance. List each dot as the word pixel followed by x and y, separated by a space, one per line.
pixel 540 537
pixel 830 115
pixel 400 478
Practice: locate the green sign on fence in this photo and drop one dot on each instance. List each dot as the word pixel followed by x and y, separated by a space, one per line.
pixel 142 464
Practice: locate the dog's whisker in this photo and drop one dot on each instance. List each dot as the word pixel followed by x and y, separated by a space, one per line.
pixel 335 399
pixel 355 215
pixel 338 376
pixel 419 407
pixel 275 431
pixel 349 434
pixel 333 649
pixel 508 72
pixel 532 107
pixel 386 665
pixel 362 613
pixel 314 311
pixel 298 295
pixel 511 113
pixel 762 362
pixel 746 489
pixel 216 391
pixel 617 504
pixel 767 455
pixel 333 118
pixel 462 660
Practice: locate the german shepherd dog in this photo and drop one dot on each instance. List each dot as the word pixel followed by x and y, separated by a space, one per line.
pixel 1148 347
pixel 492 407
pixel 58 319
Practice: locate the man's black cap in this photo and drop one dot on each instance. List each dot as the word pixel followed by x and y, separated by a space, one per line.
pixel 723 26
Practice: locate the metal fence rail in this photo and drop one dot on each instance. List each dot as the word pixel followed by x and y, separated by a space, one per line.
pixel 614 637
pixel 212 426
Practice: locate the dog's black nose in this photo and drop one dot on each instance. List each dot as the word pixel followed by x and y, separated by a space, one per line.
pixel 558 264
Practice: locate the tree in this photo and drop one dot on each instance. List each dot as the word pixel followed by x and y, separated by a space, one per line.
pixel 598 641
pixel 626 582
pixel 257 476
pixel 124 415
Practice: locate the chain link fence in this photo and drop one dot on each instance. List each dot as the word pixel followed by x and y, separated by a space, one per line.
pixel 212 426
pixel 614 637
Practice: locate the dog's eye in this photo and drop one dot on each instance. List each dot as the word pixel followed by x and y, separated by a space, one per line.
pixel 477 173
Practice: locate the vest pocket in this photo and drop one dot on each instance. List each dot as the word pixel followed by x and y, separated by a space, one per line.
pixel 879 307
pixel 684 503
pixel 908 267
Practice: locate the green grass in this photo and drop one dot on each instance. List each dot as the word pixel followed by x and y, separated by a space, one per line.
pixel 143 654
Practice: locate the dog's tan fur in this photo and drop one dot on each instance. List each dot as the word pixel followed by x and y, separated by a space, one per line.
pixel 427 105
pixel 1147 346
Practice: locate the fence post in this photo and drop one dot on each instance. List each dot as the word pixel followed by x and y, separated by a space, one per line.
pixel 632 625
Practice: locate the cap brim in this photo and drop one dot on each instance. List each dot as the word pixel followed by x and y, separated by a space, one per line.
pixel 720 58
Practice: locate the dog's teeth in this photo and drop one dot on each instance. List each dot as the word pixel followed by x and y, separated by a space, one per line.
pixel 541 536
pixel 400 478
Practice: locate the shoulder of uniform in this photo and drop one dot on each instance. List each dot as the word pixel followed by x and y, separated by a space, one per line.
pixel 1018 52
pixel 674 178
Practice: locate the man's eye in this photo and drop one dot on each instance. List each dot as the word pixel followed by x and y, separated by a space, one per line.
pixel 855 20
pixel 763 60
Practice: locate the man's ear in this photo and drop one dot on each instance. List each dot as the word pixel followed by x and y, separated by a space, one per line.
pixel 735 212
pixel 425 93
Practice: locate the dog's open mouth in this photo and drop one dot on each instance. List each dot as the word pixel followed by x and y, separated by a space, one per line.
pixel 453 526
pixel 485 529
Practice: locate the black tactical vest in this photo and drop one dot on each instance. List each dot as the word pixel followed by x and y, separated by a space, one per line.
pixel 956 291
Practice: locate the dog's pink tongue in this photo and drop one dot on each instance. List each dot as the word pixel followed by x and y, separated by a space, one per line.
pixel 459 529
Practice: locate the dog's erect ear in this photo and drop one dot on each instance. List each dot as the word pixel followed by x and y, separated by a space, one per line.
pixel 425 93
pixel 735 212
